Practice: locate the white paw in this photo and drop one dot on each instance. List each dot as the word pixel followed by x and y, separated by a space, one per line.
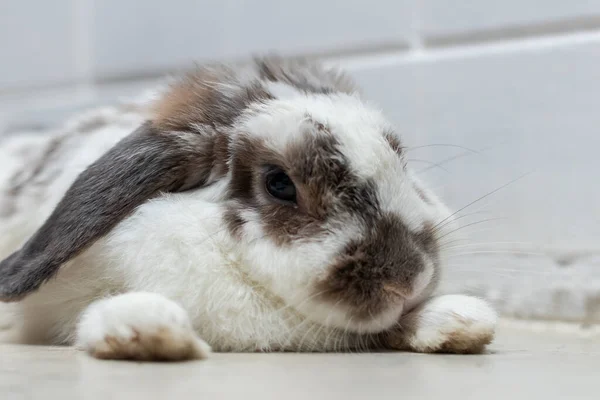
pixel 139 326
pixel 453 324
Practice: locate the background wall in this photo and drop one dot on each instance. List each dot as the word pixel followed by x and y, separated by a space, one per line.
pixel 517 82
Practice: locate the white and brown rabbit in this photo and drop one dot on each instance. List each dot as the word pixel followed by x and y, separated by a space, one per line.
pixel 254 207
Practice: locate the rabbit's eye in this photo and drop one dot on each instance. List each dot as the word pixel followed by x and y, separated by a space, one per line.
pixel 280 186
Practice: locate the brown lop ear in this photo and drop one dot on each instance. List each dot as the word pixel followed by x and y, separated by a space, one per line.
pixel 142 165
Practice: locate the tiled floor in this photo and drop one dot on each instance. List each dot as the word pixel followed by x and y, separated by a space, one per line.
pixel 524 363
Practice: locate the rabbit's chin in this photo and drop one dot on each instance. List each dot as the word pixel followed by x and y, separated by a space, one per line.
pixel 342 318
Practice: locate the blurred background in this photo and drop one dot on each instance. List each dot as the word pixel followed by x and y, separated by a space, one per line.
pixel 498 100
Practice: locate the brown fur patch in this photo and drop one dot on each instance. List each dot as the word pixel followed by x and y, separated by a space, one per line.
pixel 459 344
pixel 161 345
pixel 376 271
pixel 234 222
pixel 326 177
pixel 249 155
pixel 282 222
pixel 207 95
pixel 185 102
pixel 324 184
pixel 207 151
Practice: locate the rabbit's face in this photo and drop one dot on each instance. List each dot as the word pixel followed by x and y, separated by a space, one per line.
pixel 332 220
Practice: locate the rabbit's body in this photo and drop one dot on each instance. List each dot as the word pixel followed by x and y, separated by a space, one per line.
pixel 168 235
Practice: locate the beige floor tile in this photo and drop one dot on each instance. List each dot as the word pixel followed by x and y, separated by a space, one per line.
pixel 523 363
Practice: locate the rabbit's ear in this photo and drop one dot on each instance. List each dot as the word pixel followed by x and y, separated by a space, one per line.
pixel 142 165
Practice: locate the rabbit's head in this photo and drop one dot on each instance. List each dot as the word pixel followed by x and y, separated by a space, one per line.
pixel 332 219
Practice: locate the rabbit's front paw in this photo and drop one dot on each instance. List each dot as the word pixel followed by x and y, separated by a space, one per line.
pixel 446 324
pixel 139 326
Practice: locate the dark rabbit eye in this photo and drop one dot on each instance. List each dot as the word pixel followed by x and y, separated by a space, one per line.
pixel 280 186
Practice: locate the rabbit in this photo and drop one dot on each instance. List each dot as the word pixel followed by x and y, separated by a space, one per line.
pixel 258 206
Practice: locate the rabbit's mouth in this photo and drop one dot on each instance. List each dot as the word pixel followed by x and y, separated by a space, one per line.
pixel 348 319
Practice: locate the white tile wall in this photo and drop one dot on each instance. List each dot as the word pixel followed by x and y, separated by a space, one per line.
pixel 467 19
pixel 318 25
pixel 161 35
pixel 515 81
pixel 130 37
pixel 36 43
